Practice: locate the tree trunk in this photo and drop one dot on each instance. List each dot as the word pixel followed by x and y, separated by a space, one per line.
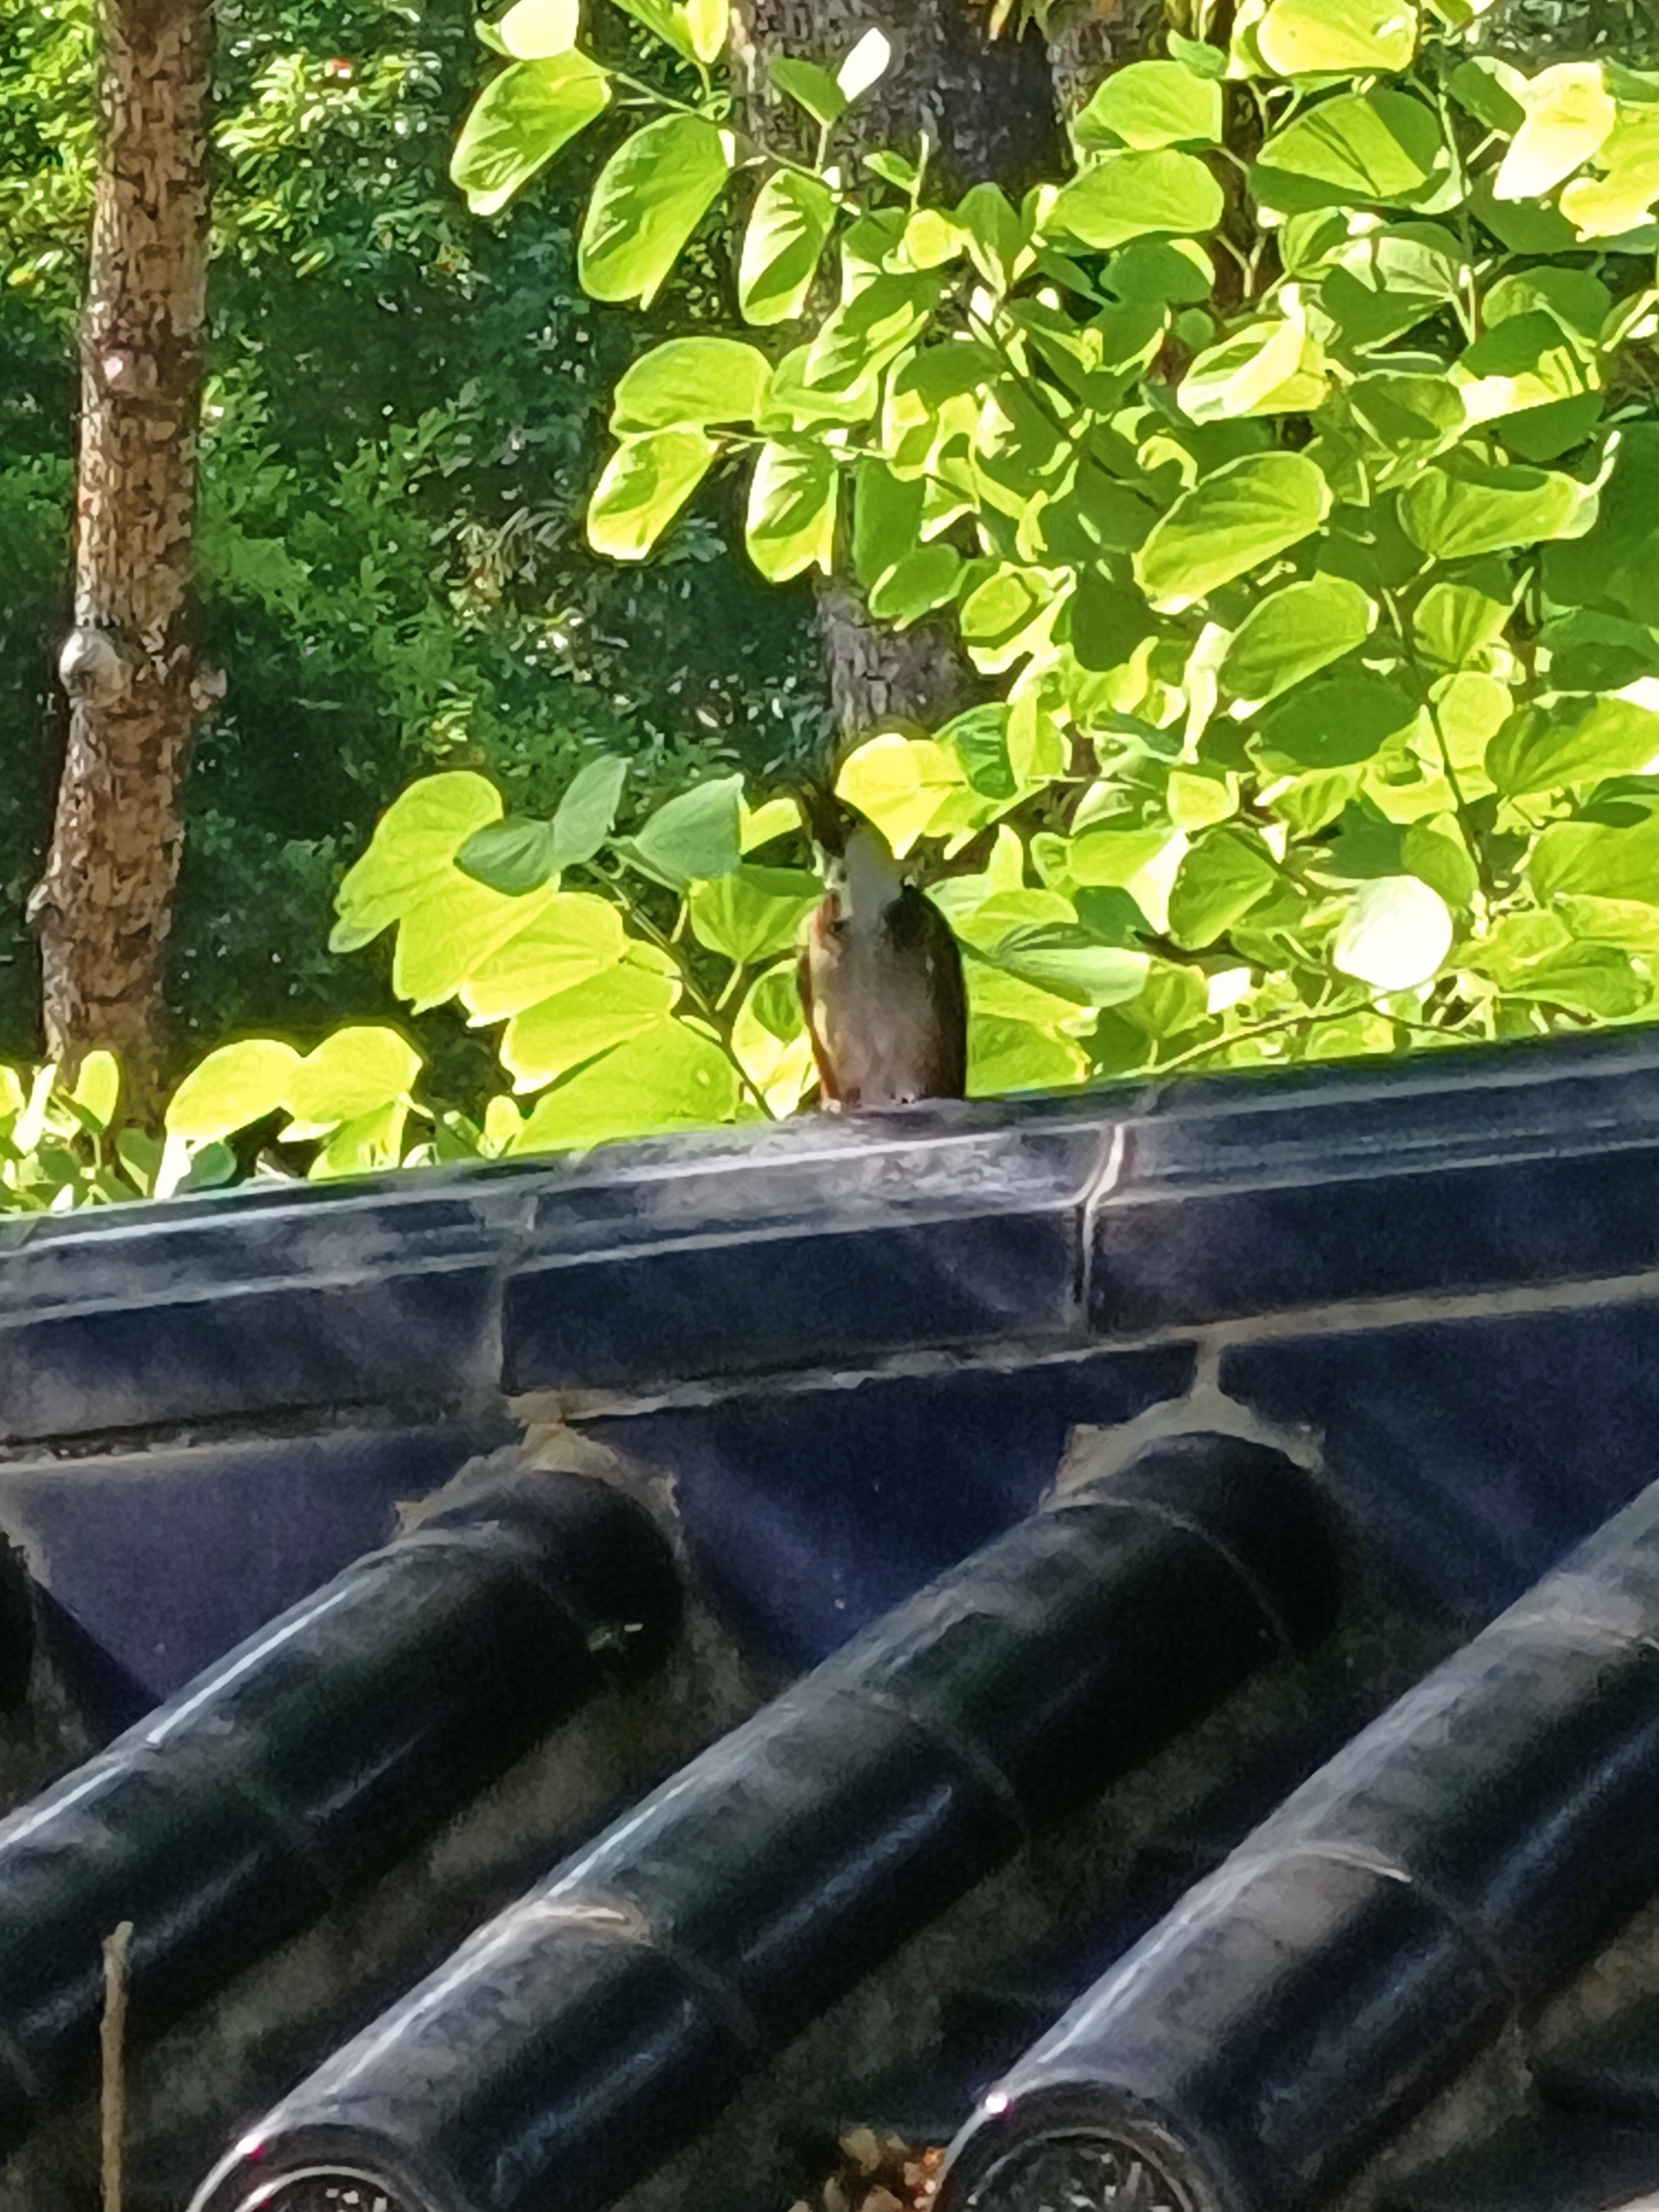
pixel 988 108
pixel 880 678
pixel 105 900
pixel 987 105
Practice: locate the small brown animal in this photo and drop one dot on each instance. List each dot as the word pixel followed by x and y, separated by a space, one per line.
pixel 880 974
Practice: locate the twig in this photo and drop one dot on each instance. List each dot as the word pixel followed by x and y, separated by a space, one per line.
pixel 113 2037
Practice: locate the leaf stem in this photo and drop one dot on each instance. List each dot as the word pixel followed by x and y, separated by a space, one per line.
pixel 1403 630
pixel 710 1009
pixel 1303 1015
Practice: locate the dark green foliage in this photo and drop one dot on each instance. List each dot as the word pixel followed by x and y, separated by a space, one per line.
pixel 405 419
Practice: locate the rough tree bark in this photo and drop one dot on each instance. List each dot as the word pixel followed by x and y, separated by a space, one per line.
pixel 104 902
pixel 986 105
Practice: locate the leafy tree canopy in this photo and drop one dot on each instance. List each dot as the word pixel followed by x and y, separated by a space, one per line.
pixel 1291 473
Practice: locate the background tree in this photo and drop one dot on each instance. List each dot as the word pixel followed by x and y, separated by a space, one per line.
pixel 104 903
pixel 405 413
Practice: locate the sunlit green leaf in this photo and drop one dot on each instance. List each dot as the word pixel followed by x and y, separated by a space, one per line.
pixel 1037 750
pixel 667 1077
pixel 1197 54
pixel 1198 796
pixel 646 483
pixel 694 837
pixel 1569 112
pixel 665 19
pixel 1607 205
pixel 97 1089
pixel 687 383
pixel 791 523
pixel 998 614
pixel 995 235
pixel 1385 281
pixel 770 1041
pixel 863 334
pixel 1462 507
pixel 408 876
pixel 573 937
pixel 763 824
pixel 1533 956
pixel 1380 148
pixel 371 1141
pixel 1527 361
pixel 650 196
pixel 932 239
pixel 1348 1036
pixel 520 120
pixel 413 845
pixel 793 404
pixel 1612 921
pixel 1147 105
pixel 753 914
pixel 1599 859
pixel 1293 634
pixel 237 1085
pixel 1266 368
pixel 1596 980
pixel 1456 621
pixel 1221 877
pixel 1133 194
pixel 900 784
pixel 1572 741
pixel 1064 958
pixel 534 30
pixel 1579 301
pixel 1314 38
pixel 1171 1001
pixel 790 220
pixel 1111 854
pixel 358 1070
pixel 568 1027
pixel 1229 523
pixel 1005 1056
pixel 708 23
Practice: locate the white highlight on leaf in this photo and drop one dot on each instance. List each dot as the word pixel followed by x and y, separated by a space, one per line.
pixel 866 65
pixel 534 30
pixel 1396 934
